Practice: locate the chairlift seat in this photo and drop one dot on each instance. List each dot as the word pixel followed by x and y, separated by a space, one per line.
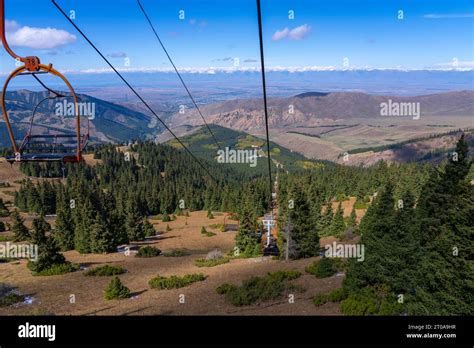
pixel 45 157
pixel 49 136
pixel 271 250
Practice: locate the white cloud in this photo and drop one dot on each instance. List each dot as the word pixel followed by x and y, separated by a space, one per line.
pixel 11 25
pixel 462 66
pixel 117 55
pixel 298 33
pixel 199 23
pixel 455 65
pixel 225 59
pixel 280 34
pixel 205 70
pixel 448 15
pixel 286 69
pixel 38 38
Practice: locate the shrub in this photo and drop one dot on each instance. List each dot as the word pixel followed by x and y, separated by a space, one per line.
pixel 225 288
pixel 376 300
pixel 116 290
pixel 11 298
pixel 211 263
pixel 339 263
pixel 206 233
pixel 8 295
pixel 320 299
pixel 5 289
pixel 257 289
pixel 148 251
pixel 296 288
pixel 57 269
pixel 359 304
pixel 250 251
pixel 165 217
pixel 337 295
pixel 322 268
pixel 104 271
pixel 175 253
pixel 213 258
pixel 175 282
pixel 284 275
pixel 2 226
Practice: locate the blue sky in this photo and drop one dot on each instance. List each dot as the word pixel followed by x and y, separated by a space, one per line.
pixel 432 34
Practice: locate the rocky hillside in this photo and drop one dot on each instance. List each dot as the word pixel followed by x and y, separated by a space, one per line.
pixel 313 108
pixel 111 122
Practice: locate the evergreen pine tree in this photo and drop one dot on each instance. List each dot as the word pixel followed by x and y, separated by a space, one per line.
pixel 18 227
pixel 101 237
pixel 39 229
pixel 83 219
pixel 352 222
pixel 134 222
pixel 304 235
pixel 49 256
pixel 247 239
pixel 116 290
pixel 148 228
pixel 377 230
pixel 338 226
pixel 324 224
pixel 446 213
pixel 64 228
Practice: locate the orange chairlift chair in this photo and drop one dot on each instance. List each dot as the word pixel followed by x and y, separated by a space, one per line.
pixel 65 147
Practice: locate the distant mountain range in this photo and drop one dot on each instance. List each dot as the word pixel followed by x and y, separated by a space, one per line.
pixel 318 125
pixel 313 108
pixel 211 85
pixel 111 123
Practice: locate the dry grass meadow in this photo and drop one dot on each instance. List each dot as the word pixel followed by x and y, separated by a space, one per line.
pixel 52 294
